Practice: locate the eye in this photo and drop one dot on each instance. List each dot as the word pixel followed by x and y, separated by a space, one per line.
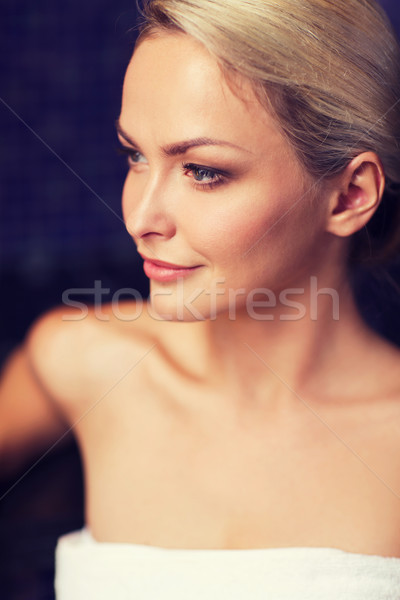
pixel 134 156
pixel 202 174
pixel 204 177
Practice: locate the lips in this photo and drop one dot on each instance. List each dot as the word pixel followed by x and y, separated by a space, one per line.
pixel 160 270
pixel 161 263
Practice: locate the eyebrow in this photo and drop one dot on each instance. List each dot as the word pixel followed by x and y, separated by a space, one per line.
pixel 179 148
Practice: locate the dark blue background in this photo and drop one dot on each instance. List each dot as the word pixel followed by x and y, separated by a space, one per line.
pixel 62 67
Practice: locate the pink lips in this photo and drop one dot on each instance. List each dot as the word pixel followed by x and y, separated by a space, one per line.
pixel 163 271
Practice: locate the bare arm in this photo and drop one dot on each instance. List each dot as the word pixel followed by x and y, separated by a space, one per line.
pixel 30 419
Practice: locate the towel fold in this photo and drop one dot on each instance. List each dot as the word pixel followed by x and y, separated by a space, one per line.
pixel 87 569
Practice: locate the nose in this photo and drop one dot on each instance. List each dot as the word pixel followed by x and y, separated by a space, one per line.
pixel 147 211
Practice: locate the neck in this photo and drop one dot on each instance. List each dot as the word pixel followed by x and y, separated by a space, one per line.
pixel 298 345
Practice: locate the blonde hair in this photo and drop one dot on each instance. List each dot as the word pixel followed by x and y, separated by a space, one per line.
pixel 328 69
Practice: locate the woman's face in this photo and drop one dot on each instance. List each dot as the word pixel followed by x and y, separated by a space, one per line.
pixel 213 185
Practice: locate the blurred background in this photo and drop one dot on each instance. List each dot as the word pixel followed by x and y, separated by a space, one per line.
pixel 62 67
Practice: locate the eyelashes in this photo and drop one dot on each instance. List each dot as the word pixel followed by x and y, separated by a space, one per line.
pixel 203 177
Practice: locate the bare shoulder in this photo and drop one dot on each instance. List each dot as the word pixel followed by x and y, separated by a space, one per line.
pixel 71 352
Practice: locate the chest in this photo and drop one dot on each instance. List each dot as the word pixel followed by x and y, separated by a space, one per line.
pixel 160 475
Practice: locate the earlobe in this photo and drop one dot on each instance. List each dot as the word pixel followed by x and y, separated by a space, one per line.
pixel 356 195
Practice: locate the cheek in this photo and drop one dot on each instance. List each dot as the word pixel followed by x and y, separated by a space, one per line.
pixel 261 240
pixel 227 234
pixel 224 235
pixel 249 214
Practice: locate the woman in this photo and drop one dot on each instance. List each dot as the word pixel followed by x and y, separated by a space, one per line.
pixel 247 407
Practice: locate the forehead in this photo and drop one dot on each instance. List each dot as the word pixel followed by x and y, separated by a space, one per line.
pixel 175 89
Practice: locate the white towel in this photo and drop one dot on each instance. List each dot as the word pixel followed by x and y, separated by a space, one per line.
pixel 91 570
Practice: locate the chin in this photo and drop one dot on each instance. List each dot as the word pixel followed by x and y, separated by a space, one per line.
pixel 198 305
pixel 169 308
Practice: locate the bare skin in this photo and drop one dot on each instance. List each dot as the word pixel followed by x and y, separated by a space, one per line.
pixel 244 433
pixel 206 458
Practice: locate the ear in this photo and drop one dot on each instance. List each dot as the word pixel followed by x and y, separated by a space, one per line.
pixel 356 195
